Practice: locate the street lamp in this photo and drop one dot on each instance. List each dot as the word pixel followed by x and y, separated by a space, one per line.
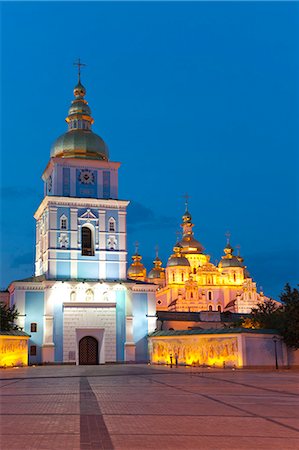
pixel 275 340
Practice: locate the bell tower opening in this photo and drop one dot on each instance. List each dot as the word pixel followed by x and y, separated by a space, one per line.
pixel 87 241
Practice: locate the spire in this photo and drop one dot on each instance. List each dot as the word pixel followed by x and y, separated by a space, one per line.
pixel 157 273
pixel 229 259
pixel 80 141
pixel 188 242
pixel 136 271
pixel 228 250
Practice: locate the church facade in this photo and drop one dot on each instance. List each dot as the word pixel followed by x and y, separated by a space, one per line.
pixel 79 307
pixel 192 283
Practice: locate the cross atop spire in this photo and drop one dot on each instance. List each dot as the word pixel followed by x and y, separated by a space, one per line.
pixel 79 64
pixel 238 249
pixel 186 197
pixel 157 250
pixel 136 243
pixel 228 235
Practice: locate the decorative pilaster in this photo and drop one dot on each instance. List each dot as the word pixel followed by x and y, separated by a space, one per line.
pixel 129 344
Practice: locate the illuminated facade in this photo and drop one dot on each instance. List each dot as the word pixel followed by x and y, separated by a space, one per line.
pixel 191 283
pixel 80 307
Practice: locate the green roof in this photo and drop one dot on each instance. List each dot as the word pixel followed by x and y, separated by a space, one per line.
pixel 210 331
pixel 14 333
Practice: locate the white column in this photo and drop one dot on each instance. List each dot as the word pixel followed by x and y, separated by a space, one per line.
pixel 151 311
pixel 102 245
pixel 129 344
pixel 48 344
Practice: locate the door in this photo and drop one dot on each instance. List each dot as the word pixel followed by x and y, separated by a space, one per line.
pixel 88 351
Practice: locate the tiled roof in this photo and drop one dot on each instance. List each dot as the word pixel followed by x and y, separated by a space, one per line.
pixel 209 331
pixel 14 333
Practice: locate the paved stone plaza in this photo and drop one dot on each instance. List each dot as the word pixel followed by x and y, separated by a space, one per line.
pixel 143 407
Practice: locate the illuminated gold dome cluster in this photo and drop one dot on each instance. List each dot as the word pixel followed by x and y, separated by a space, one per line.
pixel 80 141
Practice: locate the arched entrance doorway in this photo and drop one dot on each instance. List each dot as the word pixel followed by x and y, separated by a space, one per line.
pixel 88 351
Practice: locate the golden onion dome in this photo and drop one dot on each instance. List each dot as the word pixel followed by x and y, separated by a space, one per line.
pixel 157 271
pixel 80 141
pixel 80 144
pixel 231 262
pixel 177 259
pixel 136 271
pixel 191 245
pixel 229 259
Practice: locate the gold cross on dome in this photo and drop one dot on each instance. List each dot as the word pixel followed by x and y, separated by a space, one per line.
pixel 136 243
pixel 186 197
pixel 79 64
pixel 227 234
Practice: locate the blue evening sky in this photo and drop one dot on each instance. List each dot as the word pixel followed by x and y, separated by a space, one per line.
pixel 191 97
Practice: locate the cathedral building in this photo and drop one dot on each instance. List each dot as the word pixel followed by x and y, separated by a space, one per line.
pixel 191 283
pixel 79 307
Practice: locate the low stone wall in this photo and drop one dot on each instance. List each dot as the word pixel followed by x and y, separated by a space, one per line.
pixel 195 350
pixel 221 348
pixel 13 350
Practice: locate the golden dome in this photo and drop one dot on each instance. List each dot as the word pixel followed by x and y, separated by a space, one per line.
pixel 80 141
pixel 229 259
pixel 157 271
pixel 136 271
pixel 177 259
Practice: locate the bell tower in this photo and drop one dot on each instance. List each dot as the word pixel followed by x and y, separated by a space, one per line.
pixel 81 223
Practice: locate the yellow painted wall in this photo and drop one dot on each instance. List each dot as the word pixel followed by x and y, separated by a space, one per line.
pixel 13 351
pixel 201 350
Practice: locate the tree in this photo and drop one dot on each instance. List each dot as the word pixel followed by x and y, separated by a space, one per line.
pixel 290 325
pixel 267 315
pixel 284 318
pixel 7 317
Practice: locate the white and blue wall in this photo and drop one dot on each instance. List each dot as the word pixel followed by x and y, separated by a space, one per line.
pixel 121 314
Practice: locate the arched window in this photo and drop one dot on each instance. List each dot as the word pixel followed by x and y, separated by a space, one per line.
pixel 191 294
pixel 87 241
pixel 89 295
pixel 63 222
pixel 234 277
pixel 194 270
pixel 210 308
pixel 182 277
pixel 173 277
pixel 111 224
pixel 209 295
pixel 219 308
pixel 73 296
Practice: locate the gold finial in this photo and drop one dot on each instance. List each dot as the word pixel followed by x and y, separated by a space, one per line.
pixel 79 64
pixel 136 243
pixel 186 197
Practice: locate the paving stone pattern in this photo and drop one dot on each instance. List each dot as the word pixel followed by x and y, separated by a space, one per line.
pixel 137 407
